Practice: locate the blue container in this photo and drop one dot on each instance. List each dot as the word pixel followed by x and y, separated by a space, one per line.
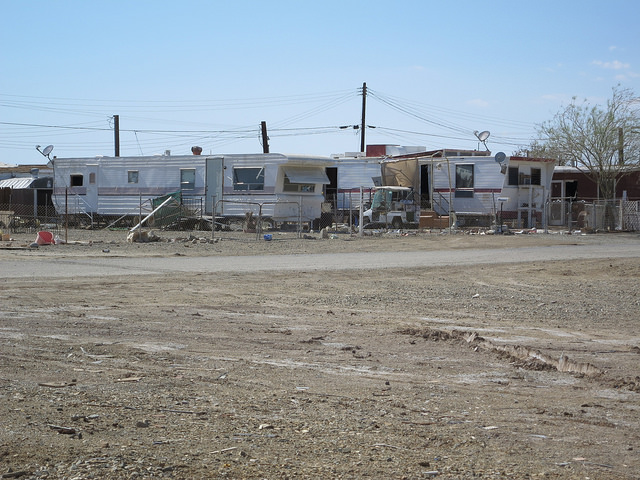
pixel 268 237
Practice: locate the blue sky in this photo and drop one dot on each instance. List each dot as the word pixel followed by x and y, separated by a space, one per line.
pixel 208 72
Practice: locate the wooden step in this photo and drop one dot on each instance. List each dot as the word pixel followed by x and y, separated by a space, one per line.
pixel 431 219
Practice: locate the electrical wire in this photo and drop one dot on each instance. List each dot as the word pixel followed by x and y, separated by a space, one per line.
pixel 443 123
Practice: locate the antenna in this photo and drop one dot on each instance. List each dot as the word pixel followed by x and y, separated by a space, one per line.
pixel 46 151
pixel 500 159
pixel 483 136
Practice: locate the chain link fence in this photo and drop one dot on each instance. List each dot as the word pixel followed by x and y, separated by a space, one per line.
pixel 21 218
pixel 181 214
pixel 171 212
pixel 189 214
pixel 598 215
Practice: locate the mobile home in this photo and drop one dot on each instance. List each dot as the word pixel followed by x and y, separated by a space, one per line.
pixel 353 173
pixel 281 187
pixel 350 176
pixel 476 189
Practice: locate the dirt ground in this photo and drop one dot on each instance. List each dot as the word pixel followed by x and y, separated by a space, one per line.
pixel 490 371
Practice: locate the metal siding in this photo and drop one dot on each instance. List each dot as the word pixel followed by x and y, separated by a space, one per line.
pixel 355 175
pixel 159 175
pixel 352 174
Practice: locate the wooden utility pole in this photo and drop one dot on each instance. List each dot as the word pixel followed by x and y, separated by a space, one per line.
pixel 116 134
pixel 364 109
pixel 265 138
pixel 620 146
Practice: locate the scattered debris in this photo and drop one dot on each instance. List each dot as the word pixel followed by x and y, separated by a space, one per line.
pixel 129 379
pixel 63 430
pixel 57 385
pixel 223 450
pixel 386 445
pixel 142 237
pixel 17 474
pixel 250 223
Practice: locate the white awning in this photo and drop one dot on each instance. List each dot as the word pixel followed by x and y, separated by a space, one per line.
pixel 306 174
pixel 16 183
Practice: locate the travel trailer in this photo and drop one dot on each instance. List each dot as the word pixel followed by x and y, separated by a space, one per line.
pixel 284 188
pixel 476 190
pixel 352 180
pixel 354 175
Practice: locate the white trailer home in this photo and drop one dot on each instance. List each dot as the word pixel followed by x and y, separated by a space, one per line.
pixel 285 188
pixel 353 172
pixel 476 189
pixel 349 175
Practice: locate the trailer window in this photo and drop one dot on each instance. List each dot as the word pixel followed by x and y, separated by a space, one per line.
pixel 132 176
pixel 76 181
pixel 289 186
pixel 187 178
pixel 248 178
pixel 513 175
pixel 536 176
pixel 464 181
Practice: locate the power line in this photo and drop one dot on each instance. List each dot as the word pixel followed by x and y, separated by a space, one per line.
pixel 67 127
pixel 439 121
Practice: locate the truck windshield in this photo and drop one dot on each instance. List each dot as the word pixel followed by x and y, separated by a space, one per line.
pixel 381 200
pixel 385 199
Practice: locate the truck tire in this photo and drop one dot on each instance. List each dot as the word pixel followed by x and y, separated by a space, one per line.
pixel 396 222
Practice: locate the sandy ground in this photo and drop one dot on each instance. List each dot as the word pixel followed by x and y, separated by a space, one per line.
pixel 495 371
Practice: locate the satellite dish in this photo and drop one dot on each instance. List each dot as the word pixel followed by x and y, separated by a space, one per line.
pixel 47 150
pixel 500 157
pixel 482 136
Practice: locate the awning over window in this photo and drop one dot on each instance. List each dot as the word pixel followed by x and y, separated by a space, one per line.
pixel 306 174
pixel 17 183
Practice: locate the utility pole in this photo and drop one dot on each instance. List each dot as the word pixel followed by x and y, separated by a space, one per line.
pixel 116 133
pixel 620 146
pixel 364 109
pixel 265 138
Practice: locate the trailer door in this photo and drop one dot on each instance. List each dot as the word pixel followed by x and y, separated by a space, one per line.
pixel 91 197
pixel 214 185
pixel 426 186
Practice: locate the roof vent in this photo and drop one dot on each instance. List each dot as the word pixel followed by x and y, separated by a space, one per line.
pixel 196 150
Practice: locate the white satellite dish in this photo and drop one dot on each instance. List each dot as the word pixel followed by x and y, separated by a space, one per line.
pixel 482 136
pixel 47 150
pixel 500 157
